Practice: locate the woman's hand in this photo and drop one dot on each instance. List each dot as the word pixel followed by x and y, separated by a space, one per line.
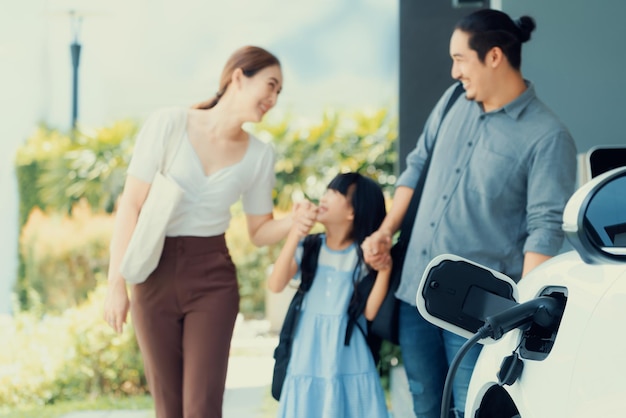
pixel 116 305
pixel 116 302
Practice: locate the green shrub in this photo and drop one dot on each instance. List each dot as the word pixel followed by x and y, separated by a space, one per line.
pixel 55 171
pixel 390 355
pixel 309 156
pixel 98 361
pixel 63 256
pixel 30 160
pixel 65 356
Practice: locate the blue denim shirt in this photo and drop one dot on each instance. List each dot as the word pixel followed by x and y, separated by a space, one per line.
pixel 496 188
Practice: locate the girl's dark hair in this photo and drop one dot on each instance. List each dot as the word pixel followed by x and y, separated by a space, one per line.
pixel 368 203
pixel 251 60
pixel 488 28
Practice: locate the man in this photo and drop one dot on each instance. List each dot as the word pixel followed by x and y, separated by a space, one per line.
pixel 501 172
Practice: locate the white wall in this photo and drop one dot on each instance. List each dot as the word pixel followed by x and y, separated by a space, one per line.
pixel 138 55
pixel 22 96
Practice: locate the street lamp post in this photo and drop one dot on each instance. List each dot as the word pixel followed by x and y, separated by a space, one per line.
pixel 75 51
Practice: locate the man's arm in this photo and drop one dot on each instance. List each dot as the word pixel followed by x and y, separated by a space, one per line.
pixel 532 260
pixel 550 185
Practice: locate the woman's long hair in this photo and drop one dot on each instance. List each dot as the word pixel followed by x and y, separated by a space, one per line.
pixel 251 60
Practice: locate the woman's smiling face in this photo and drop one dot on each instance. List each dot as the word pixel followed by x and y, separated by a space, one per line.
pixel 261 91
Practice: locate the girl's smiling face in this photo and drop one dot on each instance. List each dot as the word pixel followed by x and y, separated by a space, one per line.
pixel 335 207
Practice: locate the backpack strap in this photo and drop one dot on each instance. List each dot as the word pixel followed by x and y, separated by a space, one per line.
pixel 356 308
pixel 311 247
pixel 308 265
pixel 357 304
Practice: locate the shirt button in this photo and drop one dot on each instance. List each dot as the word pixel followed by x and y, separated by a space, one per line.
pixel 445 197
pixel 458 170
pixel 469 144
pixel 432 224
pixel 424 252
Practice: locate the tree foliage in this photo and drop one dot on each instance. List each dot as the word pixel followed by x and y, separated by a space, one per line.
pixel 69 355
pixel 310 155
pixel 56 170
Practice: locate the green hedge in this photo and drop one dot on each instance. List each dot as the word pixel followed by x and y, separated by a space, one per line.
pixel 71 355
pixel 56 170
pixel 63 256
pixel 310 155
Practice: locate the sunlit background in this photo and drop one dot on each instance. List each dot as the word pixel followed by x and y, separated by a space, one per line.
pixel 138 55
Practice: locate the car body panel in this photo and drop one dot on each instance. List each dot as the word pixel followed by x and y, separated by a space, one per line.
pixel 581 372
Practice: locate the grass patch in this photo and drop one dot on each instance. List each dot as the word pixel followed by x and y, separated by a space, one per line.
pixel 268 408
pixel 98 404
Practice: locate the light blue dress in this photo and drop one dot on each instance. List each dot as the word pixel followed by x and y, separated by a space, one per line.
pixel 325 378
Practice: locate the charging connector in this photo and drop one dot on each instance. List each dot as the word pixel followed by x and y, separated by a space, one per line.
pixel 544 310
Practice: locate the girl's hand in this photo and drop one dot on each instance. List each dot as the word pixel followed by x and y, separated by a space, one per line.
pixel 386 266
pixel 116 305
pixel 304 215
pixel 302 220
pixel 376 249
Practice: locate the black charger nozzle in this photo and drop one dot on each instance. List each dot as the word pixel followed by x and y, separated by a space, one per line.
pixel 544 310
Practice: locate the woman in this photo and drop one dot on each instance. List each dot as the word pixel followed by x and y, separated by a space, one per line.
pixel 184 313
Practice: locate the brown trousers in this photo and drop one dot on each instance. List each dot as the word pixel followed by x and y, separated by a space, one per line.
pixel 184 315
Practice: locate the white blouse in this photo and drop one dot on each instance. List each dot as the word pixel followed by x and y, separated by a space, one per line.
pixel 205 207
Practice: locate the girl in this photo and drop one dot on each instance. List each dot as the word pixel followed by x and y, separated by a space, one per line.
pixel 325 377
pixel 184 313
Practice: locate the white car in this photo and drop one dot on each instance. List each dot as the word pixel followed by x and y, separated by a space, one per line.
pixel 555 343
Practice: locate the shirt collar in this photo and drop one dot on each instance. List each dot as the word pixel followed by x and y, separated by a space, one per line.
pixel 515 108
